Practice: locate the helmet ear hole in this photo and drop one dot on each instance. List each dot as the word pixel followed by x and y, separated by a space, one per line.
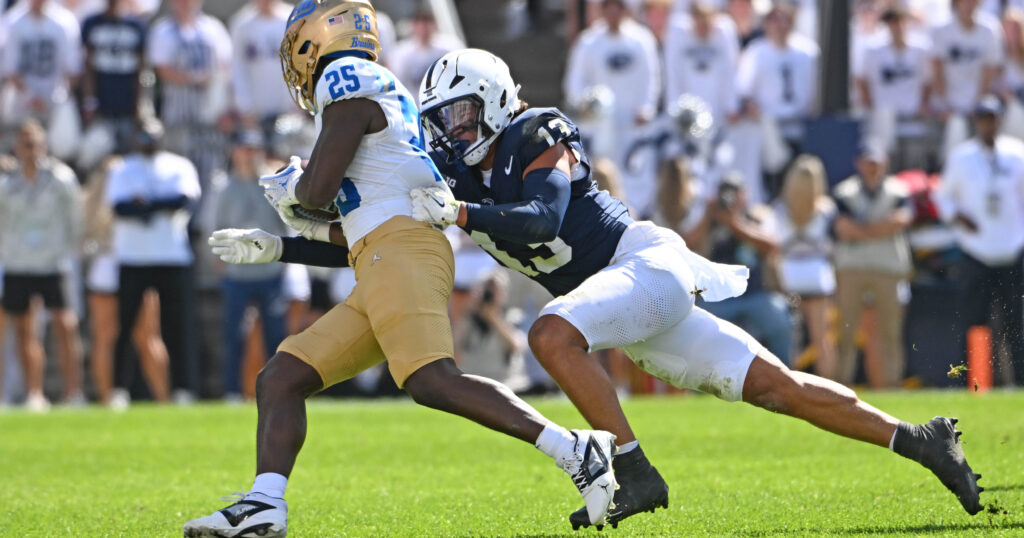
pixel 305 47
pixel 504 98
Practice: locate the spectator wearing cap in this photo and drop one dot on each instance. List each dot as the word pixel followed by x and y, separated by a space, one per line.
pixel 894 84
pixel 700 57
pixel 256 32
pixel 872 261
pixel 152 193
pixel 982 196
pixel 40 232
pixel 412 56
pixel 967 57
pixel 242 205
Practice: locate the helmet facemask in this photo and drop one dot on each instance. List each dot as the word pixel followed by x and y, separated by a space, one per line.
pixel 457 128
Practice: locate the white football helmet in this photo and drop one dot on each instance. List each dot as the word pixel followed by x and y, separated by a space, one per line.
pixel 467 98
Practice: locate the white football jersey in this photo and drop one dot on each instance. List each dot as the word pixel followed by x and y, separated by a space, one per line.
pixel 388 163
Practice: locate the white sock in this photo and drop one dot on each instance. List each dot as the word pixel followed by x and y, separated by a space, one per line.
pixel 270 484
pixel 556 442
pixel 892 440
pixel 626 448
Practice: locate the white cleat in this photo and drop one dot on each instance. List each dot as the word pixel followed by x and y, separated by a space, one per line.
pixel 590 467
pixel 253 515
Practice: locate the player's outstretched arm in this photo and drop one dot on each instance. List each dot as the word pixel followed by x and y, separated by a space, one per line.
pixel 344 124
pixel 535 219
pixel 257 246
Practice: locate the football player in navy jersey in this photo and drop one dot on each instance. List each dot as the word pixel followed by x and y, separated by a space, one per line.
pixel 519 183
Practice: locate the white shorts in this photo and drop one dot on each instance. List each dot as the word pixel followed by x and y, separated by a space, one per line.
pixel 104 274
pixel 643 302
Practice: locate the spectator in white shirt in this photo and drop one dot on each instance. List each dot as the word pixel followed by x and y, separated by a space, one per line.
pixel 895 73
pixel 256 31
pixel 41 58
pixel 411 57
pixel 894 84
pixel 701 54
pixel 191 53
pixel 619 54
pixel 777 82
pixel 967 55
pixel 982 195
pixel 778 74
pixel 152 193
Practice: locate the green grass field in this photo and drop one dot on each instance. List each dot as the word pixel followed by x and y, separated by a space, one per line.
pixel 391 469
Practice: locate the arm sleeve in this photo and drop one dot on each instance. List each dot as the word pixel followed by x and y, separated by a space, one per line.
pixel 536 219
pixel 308 252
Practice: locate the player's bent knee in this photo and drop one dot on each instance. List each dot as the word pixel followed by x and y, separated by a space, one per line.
pixel 285 374
pixel 428 385
pixel 550 335
pixel 770 385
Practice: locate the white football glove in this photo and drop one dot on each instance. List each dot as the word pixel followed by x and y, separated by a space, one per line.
pixel 280 187
pixel 434 205
pixel 245 246
pixel 310 229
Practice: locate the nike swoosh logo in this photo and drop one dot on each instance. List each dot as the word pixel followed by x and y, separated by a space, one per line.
pixel 439 202
pixel 508 169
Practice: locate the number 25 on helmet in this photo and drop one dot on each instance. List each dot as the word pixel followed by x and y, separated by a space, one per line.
pixel 324 29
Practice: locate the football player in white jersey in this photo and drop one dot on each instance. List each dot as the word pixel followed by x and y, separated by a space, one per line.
pixel 368 157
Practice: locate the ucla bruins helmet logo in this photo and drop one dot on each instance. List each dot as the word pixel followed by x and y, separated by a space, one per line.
pixel 317 28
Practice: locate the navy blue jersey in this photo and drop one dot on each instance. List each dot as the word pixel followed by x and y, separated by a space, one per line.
pixel 115 46
pixel 592 225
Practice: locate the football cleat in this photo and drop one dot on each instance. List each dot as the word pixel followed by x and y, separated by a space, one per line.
pixel 590 467
pixel 641 489
pixel 936 445
pixel 253 515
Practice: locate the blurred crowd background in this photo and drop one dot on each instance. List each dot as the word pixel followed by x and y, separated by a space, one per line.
pixel 862 157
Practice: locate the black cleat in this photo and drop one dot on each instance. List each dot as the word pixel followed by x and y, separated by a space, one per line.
pixel 641 489
pixel 936 445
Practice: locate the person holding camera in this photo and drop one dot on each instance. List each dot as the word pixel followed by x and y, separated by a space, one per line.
pixel 732 232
